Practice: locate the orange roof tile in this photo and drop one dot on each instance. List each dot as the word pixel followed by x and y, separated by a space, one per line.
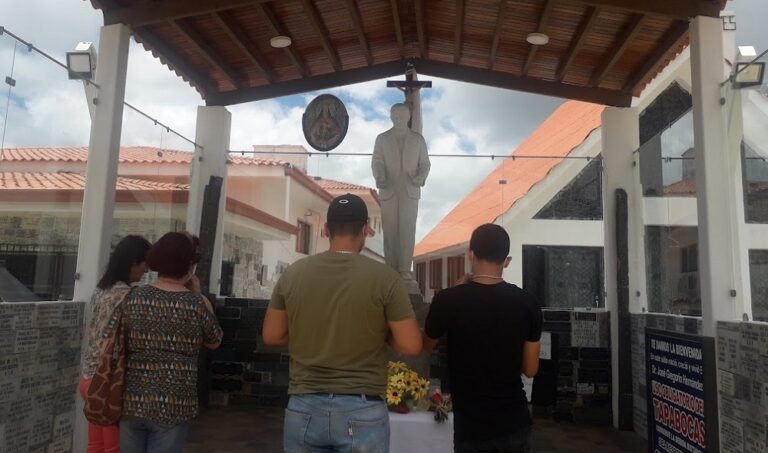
pixel 128 155
pixel 330 184
pixel 75 181
pixel 558 135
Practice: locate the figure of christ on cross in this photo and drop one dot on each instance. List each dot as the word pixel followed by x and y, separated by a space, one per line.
pixel 400 166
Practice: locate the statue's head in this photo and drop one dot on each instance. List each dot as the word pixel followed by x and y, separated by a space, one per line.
pixel 400 115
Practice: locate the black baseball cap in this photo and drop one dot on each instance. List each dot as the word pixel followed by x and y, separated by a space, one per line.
pixel 347 209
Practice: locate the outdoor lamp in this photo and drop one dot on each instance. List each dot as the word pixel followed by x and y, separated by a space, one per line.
pixel 82 62
pixel 750 72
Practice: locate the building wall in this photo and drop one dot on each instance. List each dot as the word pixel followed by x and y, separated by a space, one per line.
pixel 39 370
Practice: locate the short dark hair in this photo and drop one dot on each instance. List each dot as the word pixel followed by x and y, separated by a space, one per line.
pixel 172 255
pixel 129 251
pixel 490 242
pixel 346 228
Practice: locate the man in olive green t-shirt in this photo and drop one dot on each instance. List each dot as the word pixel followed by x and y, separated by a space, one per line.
pixel 338 311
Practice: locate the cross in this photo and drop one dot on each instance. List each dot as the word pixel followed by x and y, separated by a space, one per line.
pixel 410 88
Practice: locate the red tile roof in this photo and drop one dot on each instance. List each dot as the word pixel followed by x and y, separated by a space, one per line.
pixel 76 181
pixel 558 135
pixel 330 184
pixel 128 155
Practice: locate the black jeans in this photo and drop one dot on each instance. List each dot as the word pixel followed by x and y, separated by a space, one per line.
pixel 519 442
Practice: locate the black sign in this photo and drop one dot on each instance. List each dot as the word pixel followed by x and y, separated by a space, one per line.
pixel 325 122
pixel 679 412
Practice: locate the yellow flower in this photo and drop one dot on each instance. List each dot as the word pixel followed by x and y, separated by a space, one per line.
pixel 398 381
pixel 393 396
pixel 396 367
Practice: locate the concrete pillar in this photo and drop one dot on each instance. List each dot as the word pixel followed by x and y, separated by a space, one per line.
pixel 720 268
pixel 214 125
pixel 620 139
pixel 101 177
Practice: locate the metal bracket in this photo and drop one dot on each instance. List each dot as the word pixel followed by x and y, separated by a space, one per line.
pixel 733 293
pixel 10 81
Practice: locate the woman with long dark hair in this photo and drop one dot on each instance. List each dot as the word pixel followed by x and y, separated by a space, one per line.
pixel 165 323
pixel 126 266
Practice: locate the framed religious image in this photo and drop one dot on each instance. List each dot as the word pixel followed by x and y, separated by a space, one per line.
pixel 325 122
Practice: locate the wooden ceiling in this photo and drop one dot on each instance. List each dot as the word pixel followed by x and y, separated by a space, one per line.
pixel 601 51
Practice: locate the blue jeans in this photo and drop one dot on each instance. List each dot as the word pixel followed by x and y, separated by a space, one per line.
pixel 335 423
pixel 138 435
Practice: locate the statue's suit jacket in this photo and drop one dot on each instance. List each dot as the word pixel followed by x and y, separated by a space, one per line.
pixel 386 164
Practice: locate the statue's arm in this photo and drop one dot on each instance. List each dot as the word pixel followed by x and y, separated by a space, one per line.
pixel 378 166
pixel 424 165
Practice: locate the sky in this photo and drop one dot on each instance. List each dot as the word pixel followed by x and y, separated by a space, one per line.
pixel 46 109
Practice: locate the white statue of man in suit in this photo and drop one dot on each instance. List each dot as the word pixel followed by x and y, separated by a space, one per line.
pixel 400 167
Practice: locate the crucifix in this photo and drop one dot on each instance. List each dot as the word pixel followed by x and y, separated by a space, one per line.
pixel 411 88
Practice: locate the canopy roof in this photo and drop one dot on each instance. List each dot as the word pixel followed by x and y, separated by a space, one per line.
pixel 600 51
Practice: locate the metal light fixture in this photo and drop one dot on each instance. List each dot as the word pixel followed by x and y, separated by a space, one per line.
pixel 82 62
pixel 537 39
pixel 748 72
pixel 280 42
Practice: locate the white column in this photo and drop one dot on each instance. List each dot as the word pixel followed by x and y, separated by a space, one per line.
pixel 101 177
pixel 214 125
pixel 720 269
pixel 620 139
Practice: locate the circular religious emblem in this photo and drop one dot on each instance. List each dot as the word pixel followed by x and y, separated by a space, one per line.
pixel 325 122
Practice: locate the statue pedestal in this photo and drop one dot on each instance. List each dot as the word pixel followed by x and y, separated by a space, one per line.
pixel 420 363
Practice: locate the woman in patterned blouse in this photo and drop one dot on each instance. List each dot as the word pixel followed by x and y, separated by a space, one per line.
pixel 166 323
pixel 126 266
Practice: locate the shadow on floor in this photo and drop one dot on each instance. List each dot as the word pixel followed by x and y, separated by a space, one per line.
pixel 233 429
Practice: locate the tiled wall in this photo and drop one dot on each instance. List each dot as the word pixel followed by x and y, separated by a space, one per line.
pixel 670 323
pixel 583 390
pixel 742 367
pixel 243 370
pixel 39 368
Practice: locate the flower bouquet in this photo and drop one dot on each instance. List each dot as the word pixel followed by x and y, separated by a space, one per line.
pixel 440 405
pixel 405 388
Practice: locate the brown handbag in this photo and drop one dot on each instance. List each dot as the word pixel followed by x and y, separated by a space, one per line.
pixel 104 398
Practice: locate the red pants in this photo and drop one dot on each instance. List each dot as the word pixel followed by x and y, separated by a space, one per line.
pixel 101 439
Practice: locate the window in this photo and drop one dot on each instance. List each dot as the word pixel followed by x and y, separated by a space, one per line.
pixel 672 270
pixel 755 176
pixel 303 237
pixel 666 145
pixel 436 274
pixel 581 199
pixel 758 278
pixel 421 276
pixel 455 269
pixel 564 277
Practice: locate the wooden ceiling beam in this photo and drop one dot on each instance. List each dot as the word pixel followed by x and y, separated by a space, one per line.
pixel 543 18
pixel 244 43
pixel 421 27
pixel 459 31
pixel 278 29
pixel 398 27
pixel 319 82
pixel 148 13
pixel 502 80
pixel 680 9
pixel 673 40
pixel 501 16
pixel 175 62
pixel 577 42
pixel 357 22
pixel 613 55
pixel 322 33
pixel 208 52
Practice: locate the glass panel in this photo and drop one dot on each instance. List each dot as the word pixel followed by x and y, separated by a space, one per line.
pixel 758 275
pixel 581 199
pixel 44 122
pixel 667 167
pixel 564 277
pixel 672 270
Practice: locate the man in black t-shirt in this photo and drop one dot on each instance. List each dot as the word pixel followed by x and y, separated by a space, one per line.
pixel 493 331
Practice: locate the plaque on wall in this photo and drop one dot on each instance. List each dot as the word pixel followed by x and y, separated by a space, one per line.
pixel 325 122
